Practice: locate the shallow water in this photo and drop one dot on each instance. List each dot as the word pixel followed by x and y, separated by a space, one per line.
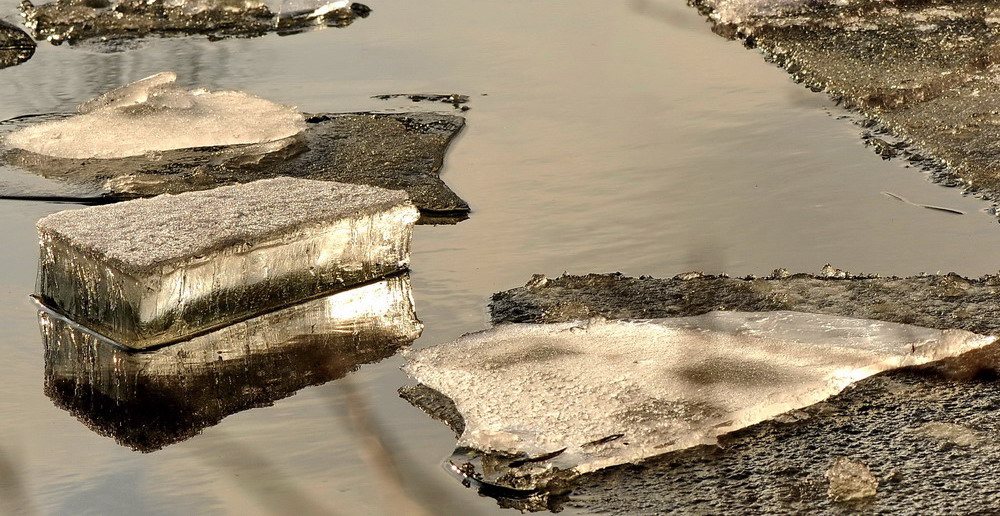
pixel 601 137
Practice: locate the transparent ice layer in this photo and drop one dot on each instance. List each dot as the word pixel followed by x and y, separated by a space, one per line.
pixel 147 400
pixel 155 115
pixel 587 395
pixel 151 271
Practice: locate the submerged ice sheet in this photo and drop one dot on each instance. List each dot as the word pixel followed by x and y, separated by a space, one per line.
pixel 155 115
pixel 576 397
pixel 148 400
pixel 150 271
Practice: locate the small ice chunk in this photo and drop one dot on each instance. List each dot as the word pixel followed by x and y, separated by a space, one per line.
pixel 602 393
pixel 736 11
pixel 151 399
pixel 950 432
pixel 155 115
pixel 850 479
pixel 151 271
pixel 310 8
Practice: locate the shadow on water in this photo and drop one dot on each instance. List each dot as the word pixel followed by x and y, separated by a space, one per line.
pixel 149 400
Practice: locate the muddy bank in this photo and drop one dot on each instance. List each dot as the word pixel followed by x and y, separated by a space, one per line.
pixel 82 20
pixel 401 151
pixel 926 432
pixel 16 46
pixel 924 72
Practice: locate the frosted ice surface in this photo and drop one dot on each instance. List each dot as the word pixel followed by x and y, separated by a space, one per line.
pixel 145 232
pixel 149 271
pixel 736 11
pixel 850 479
pixel 155 115
pixel 311 8
pixel 611 392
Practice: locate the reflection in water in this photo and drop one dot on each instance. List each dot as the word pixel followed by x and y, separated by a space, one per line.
pixel 16 46
pixel 150 400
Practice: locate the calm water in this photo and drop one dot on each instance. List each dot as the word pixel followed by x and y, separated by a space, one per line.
pixel 602 137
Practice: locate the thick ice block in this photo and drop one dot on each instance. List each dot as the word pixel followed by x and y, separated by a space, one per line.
pixel 562 399
pixel 151 399
pixel 151 271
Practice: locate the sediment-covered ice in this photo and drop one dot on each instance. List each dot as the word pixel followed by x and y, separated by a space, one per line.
pixel 735 11
pixel 582 396
pixel 151 399
pixel 151 271
pixel 61 21
pixel 155 115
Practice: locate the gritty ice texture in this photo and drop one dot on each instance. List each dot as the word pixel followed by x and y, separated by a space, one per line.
pixel 155 115
pixel 612 392
pixel 850 479
pixel 151 399
pixel 150 271
pixel 735 11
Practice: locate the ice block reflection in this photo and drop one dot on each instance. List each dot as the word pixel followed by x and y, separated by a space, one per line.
pixel 148 400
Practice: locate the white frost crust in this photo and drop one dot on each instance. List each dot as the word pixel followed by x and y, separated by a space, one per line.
pixel 154 115
pixel 661 385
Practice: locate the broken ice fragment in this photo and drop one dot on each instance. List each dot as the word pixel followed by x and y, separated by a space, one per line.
pixel 151 271
pixel 154 115
pixel 148 400
pixel 850 479
pixel 398 151
pixel 529 390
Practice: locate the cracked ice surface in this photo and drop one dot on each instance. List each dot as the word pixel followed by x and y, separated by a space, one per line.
pixel 154 115
pixel 612 392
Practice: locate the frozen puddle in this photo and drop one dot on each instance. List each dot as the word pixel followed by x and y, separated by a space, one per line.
pixel 152 271
pixel 148 400
pixel 155 115
pixel 570 398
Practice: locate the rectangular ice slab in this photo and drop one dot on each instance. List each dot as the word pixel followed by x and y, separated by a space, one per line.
pixel 569 398
pixel 152 271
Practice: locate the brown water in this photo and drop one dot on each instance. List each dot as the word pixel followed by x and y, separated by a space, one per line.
pixel 602 137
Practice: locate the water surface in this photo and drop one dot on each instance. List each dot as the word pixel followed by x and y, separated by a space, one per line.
pixel 601 137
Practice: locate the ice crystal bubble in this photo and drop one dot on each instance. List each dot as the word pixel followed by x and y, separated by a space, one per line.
pixel 151 271
pixel 154 115
pixel 586 395
pixel 850 479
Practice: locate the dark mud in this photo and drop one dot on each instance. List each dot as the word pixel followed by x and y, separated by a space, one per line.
pixel 924 72
pixel 402 151
pixel 16 46
pixel 75 21
pixel 891 421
